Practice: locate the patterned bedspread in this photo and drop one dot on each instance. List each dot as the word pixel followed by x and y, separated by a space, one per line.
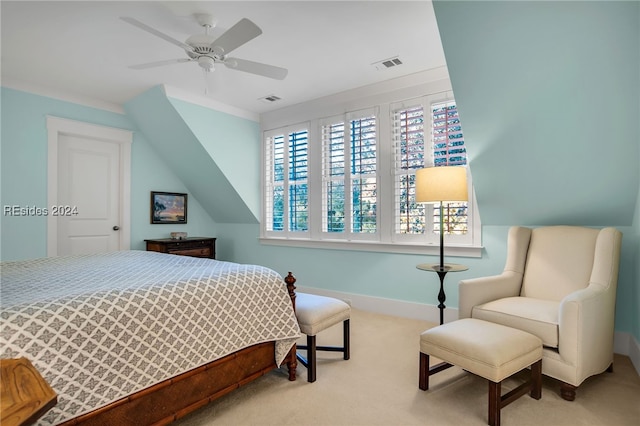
pixel 101 327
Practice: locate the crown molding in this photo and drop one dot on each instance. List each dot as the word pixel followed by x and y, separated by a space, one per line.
pixel 63 96
pixel 173 92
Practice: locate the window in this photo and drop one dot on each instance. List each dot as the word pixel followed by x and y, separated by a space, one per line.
pixel 349 177
pixel 286 188
pixel 448 150
pixel 419 141
pixel 410 151
pixel 348 181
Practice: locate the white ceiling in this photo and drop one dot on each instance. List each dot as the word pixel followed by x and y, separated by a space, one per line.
pixel 82 49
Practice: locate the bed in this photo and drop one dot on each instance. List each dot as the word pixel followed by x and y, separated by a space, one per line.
pixel 136 337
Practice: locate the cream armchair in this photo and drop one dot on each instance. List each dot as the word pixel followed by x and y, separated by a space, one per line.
pixel 559 283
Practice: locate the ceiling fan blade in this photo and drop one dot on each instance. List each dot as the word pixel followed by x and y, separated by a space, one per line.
pixel 155 32
pixel 256 68
pixel 159 63
pixel 243 31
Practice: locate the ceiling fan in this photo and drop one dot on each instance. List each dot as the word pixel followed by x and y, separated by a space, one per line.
pixel 208 50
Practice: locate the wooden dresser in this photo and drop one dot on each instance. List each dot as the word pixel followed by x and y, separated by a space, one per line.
pixel 193 246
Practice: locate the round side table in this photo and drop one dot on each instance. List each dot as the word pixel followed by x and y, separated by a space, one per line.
pixel 442 271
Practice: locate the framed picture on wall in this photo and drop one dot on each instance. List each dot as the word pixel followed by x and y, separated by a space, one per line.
pixel 168 207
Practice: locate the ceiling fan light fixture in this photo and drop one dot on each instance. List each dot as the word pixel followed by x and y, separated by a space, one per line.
pixel 206 62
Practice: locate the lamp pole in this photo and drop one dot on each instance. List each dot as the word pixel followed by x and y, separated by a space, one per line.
pixel 441 235
pixel 433 185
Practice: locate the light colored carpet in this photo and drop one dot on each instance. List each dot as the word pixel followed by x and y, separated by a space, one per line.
pixel 379 386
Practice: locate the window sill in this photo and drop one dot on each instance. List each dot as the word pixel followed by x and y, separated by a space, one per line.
pixel 423 249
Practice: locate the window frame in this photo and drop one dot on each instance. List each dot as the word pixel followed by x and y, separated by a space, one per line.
pixel 386 238
pixel 346 120
pixel 427 103
pixel 268 169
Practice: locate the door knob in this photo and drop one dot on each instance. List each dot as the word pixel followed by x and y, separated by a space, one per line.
pixel 115 228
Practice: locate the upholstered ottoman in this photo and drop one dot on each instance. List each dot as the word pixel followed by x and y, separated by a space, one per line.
pixel 316 313
pixel 489 350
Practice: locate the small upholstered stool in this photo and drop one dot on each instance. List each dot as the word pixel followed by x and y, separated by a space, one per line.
pixel 490 350
pixel 317 313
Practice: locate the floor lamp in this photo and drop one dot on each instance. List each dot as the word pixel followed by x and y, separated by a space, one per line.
pixel 441 184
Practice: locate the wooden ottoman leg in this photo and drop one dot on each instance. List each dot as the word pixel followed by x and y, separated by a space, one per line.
pixel 424 372
pixel 495 403
pixel 311 358
pixel 536 380
pixel 346 339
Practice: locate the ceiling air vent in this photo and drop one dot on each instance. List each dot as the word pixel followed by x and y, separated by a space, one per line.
pixel 270 98
pixel 387 63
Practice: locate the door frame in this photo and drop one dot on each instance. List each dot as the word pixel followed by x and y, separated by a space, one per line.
pixel 61 126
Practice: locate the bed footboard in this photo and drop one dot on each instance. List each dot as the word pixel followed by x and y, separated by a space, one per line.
pixel 292 359
pixel 174 398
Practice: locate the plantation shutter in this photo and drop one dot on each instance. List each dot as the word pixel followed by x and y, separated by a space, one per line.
pixel 410 153
pixel 449 150
pixel 274 183
pixel 426 134
pixel 298 181
pixel 286 182
pixel 329 181
pixel 448 141
pixel 349 176
pixel 363 168
pixel 333 176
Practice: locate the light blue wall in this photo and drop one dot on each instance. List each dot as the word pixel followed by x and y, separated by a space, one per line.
pixel 634 299
pixel 394 276
pixel 234 144
pixel 24 145
pixel 548 97
pixel 173 137
pixel 24 174
pixel 384 275
pixel 150 173
pixel 391 276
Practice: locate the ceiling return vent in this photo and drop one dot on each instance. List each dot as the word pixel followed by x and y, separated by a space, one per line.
pixel 387 63
pixel 270 98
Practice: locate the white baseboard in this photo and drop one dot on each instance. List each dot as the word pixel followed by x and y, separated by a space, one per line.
pixel 634 352
pixel 623 343
pixel 385 306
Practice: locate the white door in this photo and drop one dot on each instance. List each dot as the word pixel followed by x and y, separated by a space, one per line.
pixel 89 178
pixel 88 207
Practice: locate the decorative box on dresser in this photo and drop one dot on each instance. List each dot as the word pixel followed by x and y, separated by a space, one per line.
pixel 192 246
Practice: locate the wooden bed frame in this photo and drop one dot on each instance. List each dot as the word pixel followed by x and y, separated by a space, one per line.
pixel 171 399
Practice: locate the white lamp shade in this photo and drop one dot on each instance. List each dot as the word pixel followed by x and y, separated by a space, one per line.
pixel 441 183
